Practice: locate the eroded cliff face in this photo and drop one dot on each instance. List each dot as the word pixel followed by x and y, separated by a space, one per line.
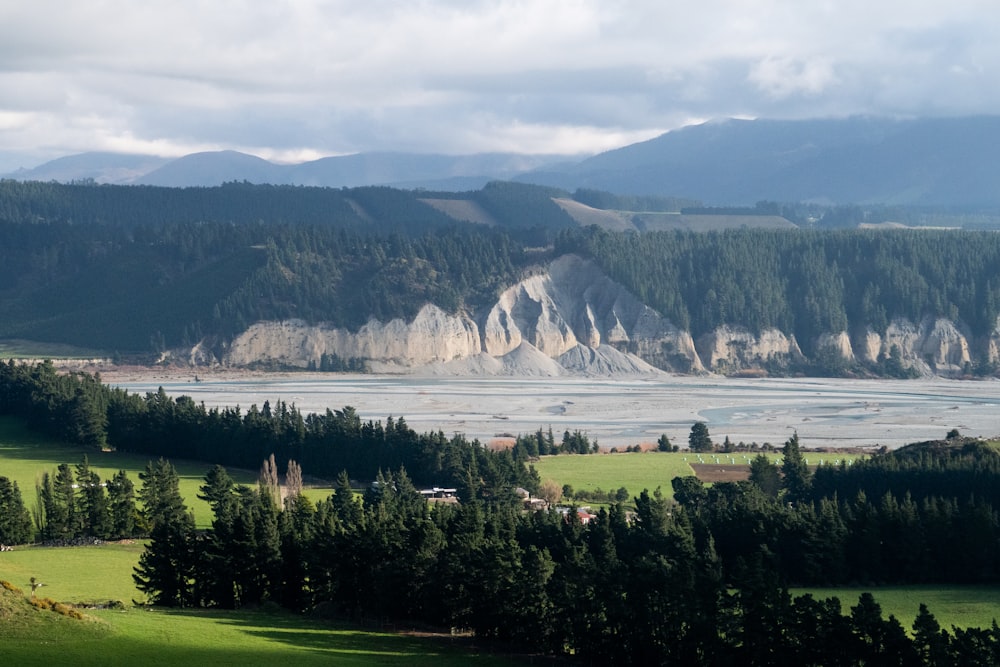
pixel 733 350
pixel 575 320
pixel 573 313
pixel 433 336
pixel 575 304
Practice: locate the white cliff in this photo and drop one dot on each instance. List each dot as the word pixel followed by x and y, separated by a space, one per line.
pixel 573 319
pixel 733 349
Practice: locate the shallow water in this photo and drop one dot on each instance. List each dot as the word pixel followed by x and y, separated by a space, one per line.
pixel 618 413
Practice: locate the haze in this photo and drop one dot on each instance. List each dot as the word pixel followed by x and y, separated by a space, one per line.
pixel 296 80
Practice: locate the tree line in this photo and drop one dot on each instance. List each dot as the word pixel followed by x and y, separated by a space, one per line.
pixel 926 513
pixel 141 270
pixel 642 588
pixel 80 409
pixel 701 581
pixel 803 282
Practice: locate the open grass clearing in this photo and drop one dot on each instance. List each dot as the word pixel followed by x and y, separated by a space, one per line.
pixel 25 455
pixel 194 637
pixel 647 470
pixel 202 637
pixel 958 606
pixel 76 574
pixel 30 349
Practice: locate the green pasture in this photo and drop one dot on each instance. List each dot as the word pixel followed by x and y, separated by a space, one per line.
pixel 24 456
pixel 204 637
pixel 952 606
pixel 611 471
pixel 29 349
pixel 646 470
pixel 137 635
pixel 76 574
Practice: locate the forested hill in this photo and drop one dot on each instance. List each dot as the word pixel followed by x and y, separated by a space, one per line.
pixel 140 270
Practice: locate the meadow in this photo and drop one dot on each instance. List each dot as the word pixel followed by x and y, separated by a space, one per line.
pixel 646 470
pixel 97 574
pixel 24 456
pixel 150 636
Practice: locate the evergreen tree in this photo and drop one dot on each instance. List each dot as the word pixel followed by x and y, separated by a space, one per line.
pixel 167 566
pixel 121 506
pixel 699 440
pixel 765 475
pixel 15 521
pixel 95 518
pixel 159 494
pixel 794 471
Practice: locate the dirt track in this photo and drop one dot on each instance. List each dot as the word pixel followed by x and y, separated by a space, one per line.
pixel 718 472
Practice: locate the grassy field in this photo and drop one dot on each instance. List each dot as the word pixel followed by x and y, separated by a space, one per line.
pixel 24 456
pixel 28 349
pixel 648 470
pixel 958 606
pixel 189 637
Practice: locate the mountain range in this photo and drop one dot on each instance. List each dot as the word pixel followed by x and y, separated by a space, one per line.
pixel 947 162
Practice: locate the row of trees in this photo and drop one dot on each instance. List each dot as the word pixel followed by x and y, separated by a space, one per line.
pixel 927 513
pixel 803 282
pixel 648 589
pixel 78 504
pixel 79 408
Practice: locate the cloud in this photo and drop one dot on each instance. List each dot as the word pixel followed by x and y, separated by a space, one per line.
pixel 320 77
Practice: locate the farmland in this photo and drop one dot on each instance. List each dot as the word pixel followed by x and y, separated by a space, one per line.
pixel 101 573
pixel 648 470
pixel 24 456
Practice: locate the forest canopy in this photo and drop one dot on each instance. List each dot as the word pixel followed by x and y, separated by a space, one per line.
pixel 142 269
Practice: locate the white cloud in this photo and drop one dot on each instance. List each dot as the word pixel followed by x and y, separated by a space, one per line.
pixel 317 77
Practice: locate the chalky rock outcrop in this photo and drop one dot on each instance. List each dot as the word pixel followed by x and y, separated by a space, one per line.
pixel 934 346
pixel 432 336
pixel 733 349
pixel 574 320
pixel 571 320
pixel 576 304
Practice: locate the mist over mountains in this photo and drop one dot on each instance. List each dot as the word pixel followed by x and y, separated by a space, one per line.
pixel 928 162
pixel 402 170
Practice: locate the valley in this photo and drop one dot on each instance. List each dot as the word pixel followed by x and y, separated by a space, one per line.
pixel 826 412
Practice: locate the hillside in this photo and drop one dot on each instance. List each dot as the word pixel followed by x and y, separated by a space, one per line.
pixel 382 278
pixel 41 619
pixel 931 161
pixel 213 168
pixel 946 163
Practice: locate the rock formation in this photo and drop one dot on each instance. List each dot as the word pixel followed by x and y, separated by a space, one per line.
pixel 574 320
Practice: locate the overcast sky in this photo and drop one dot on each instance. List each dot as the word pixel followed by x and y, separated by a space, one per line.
pixel 291 80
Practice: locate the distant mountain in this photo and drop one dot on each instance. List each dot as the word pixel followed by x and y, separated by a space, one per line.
pixel 213 168
pixel 403 170
pixel 115 168
pixel 947 161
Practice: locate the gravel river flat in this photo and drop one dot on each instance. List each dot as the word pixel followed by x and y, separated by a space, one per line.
pixel 622 412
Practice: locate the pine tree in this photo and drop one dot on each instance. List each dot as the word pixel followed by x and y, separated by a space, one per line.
pixel 15 521
pixel 794 471
pixel 167 566
pixel 121 506
pixel 699 440
pixel 94 517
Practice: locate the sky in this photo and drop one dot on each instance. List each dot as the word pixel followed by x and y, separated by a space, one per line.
pixel 295 80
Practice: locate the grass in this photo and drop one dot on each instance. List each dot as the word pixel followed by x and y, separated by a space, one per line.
pixel 29 349
pixel 187 637
pixel 638 471
pixel 24 456
pixel 76 574
pixel 952 606
pixel 611 471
